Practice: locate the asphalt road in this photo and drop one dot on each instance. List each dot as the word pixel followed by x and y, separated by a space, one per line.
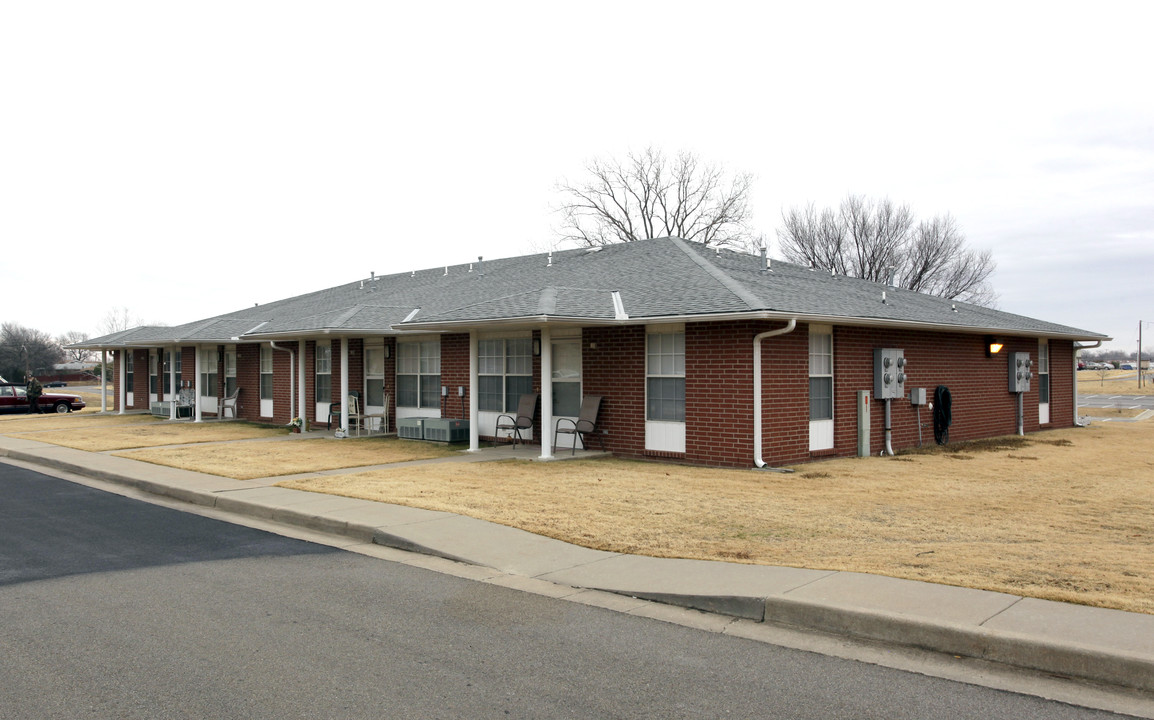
pixel 1105 399
pixel 114 608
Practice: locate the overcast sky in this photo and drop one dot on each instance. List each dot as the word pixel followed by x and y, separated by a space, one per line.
pixel 182 160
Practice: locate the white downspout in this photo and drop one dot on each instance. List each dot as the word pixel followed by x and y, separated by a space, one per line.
pixel 757 386
pixel 292 376
pixel 302 387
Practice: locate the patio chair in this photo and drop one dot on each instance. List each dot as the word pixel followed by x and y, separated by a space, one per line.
pixel 585 423
pixel 229 404
pixel 335 409
pixel 523 420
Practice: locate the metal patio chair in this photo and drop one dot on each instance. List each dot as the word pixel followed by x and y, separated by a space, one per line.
pixel 586 423
pixel 523 420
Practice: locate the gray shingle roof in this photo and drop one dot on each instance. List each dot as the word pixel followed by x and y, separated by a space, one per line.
pixel 657 279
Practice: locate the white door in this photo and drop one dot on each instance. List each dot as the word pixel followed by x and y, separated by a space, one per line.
pixel 567 386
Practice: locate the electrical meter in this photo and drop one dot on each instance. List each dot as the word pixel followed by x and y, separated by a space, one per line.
pixel 1021 371
pixel 889 374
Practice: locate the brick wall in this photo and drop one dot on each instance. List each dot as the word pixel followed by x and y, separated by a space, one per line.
pixel 719 387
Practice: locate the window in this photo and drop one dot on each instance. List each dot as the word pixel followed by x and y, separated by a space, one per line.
pixel 167 372
pixel 324 372
pixel 128 373
pixel 153 378
pixel 374 375
pixel 266 372
pixel 208 387
pixel 1043 371
pixel 230 370
pixel 419 374
pixel 820 374
pixel 665 376
pixel 505 372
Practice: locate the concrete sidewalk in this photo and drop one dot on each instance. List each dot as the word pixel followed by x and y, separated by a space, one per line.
pixel 1105 646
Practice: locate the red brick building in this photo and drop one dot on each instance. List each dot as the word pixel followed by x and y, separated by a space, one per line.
pixel 712 357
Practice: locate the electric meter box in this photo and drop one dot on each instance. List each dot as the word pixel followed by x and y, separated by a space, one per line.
pixel 918 396
pixel 889 374
pixel 1021 371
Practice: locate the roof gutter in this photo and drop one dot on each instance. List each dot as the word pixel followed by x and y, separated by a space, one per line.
pixel 757 410
pixel 537 320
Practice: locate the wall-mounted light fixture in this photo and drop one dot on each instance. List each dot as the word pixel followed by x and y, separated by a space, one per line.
pixel 993 346
pixel 388 350
pixel 536 347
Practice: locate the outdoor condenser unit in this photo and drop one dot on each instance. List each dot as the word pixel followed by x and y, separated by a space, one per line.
pixel 411 428
pixel 446 431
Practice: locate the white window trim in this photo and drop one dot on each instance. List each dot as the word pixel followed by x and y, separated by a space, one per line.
pixel 418 409
pixel 821 431
pixel 664 435
pixel 505 374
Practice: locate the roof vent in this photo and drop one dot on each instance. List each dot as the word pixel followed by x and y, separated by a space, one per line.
pixel 480 267
pixel 446 270
pixel 884 298
pixel 954 307
pixel 595 248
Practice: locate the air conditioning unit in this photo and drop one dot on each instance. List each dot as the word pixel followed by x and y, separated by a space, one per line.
pixel 446 431
pixel 411 428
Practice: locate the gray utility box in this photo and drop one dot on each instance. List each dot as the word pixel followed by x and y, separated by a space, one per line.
pixel 889 374
pixel 411 428
pixel 1021 370
pixel 446 431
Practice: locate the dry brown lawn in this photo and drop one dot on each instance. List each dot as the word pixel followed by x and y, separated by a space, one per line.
pixel 10 424
pixel 143 433
pixel 1115 382
pixel 248 461
pixel 1063 515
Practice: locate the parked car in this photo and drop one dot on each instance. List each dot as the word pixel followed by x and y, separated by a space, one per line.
pixel 1126 366
pixel 56 383
pixel 14 399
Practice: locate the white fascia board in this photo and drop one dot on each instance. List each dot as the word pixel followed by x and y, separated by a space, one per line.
pixel 536 321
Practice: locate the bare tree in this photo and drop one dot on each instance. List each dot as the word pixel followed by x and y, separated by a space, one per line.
pixel 74 354
pixel 118 319
pixel 24 350
pixel 869 239
pixel 648 195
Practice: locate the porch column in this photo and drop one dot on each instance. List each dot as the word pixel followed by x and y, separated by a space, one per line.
pixel 123 372
pixel 196 388
pixel 345 384
pixel 474 422
pixel 546 393
pixel 172 391
pixel 301 412
pixel 103 380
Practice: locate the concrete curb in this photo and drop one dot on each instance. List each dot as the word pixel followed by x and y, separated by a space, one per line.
pixel 1045 653
pixel 1069 659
